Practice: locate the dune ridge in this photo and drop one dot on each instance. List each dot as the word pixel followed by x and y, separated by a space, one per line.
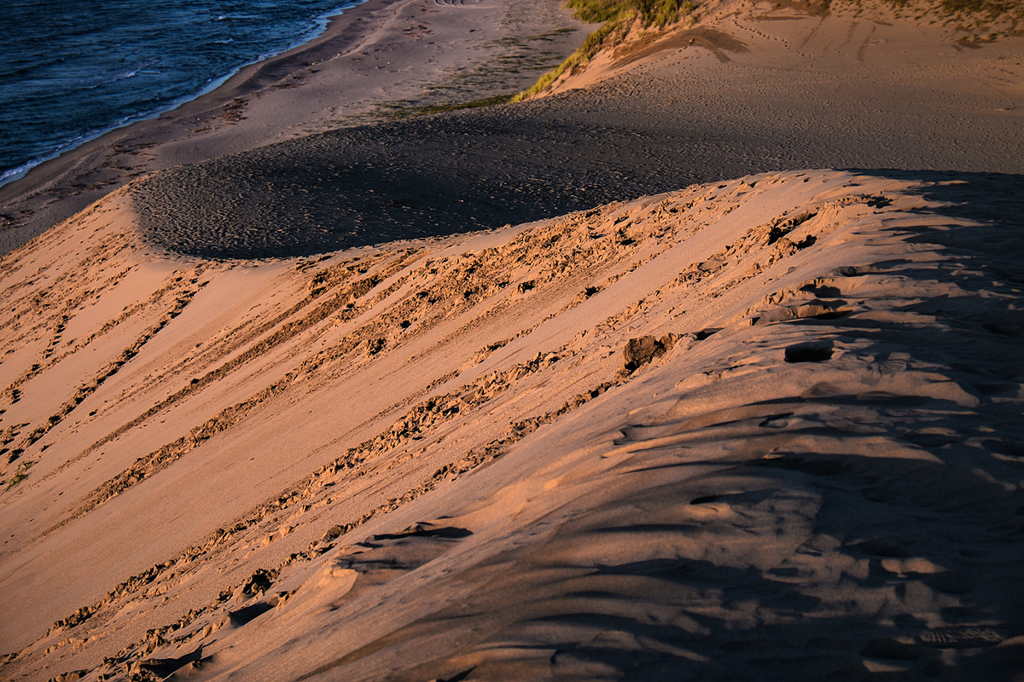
pixel 773 422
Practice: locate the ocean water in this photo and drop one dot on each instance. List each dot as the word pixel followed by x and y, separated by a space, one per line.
pixel 70 71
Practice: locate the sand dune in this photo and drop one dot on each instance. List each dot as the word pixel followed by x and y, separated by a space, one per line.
pixel 763 425
pixel 684 410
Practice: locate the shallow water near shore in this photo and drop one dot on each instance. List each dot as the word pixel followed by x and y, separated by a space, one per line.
pixel 78 70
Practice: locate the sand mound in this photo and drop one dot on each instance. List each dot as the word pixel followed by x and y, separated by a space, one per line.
pixel 759 429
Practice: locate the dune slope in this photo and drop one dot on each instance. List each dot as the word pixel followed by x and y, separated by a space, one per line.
pixel 754 429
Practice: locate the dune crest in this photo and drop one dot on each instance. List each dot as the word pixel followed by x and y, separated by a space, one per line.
pixel 769 424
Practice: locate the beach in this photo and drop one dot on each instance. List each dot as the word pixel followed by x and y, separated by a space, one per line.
pixel 705 364
pixel 376 58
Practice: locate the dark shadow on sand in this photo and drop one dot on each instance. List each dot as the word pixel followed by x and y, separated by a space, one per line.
pixel 429 176
pixel 378 184
pixel 460 172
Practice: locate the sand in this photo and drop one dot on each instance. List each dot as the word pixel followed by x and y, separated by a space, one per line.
pixel 768 424
pixel 888 96
pixel 763 427
pixel 376 59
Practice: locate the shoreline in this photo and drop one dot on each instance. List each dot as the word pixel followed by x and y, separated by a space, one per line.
pixel 48 175
pixel 327 82
pixel 320 24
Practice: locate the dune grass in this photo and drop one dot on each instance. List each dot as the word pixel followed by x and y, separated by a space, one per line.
pixel 615 17
pixel 651 12
pixel 400 111
pixel 20 474
pixel 987 8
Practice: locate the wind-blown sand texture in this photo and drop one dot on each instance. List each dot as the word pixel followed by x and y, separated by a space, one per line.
pixel 769 424
pixel 756 428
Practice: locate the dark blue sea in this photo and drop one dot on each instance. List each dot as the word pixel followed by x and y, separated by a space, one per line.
pixel 72 70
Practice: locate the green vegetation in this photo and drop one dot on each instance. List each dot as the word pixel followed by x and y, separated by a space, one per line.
pixel 20 475
pixel 516 56
pixel 400 111
pixel 986 8
pixel 994 17
pixel 616 17
pixel 594 42
pixel 650 12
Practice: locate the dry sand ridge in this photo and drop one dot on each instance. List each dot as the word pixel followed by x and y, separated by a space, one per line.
pixel 772 424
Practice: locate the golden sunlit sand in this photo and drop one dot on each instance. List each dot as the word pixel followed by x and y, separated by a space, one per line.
pixel 765 427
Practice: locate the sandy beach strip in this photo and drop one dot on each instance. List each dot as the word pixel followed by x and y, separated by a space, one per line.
pixel 374 58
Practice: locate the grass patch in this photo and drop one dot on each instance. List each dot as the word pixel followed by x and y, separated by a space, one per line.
pixel 615 17
pixel 406 112
pixel 999 17
pixel 20 474
pixel 400 111
pixel 590 47
pixel 650 12
pixel 991 9
pixel 987 10
pixel 514 62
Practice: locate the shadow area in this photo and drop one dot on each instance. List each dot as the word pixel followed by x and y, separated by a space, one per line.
pixel 472 170
pixel 977 328
pixel 900 575
pixel 433 176
pixel 995 200
pixel 461 172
